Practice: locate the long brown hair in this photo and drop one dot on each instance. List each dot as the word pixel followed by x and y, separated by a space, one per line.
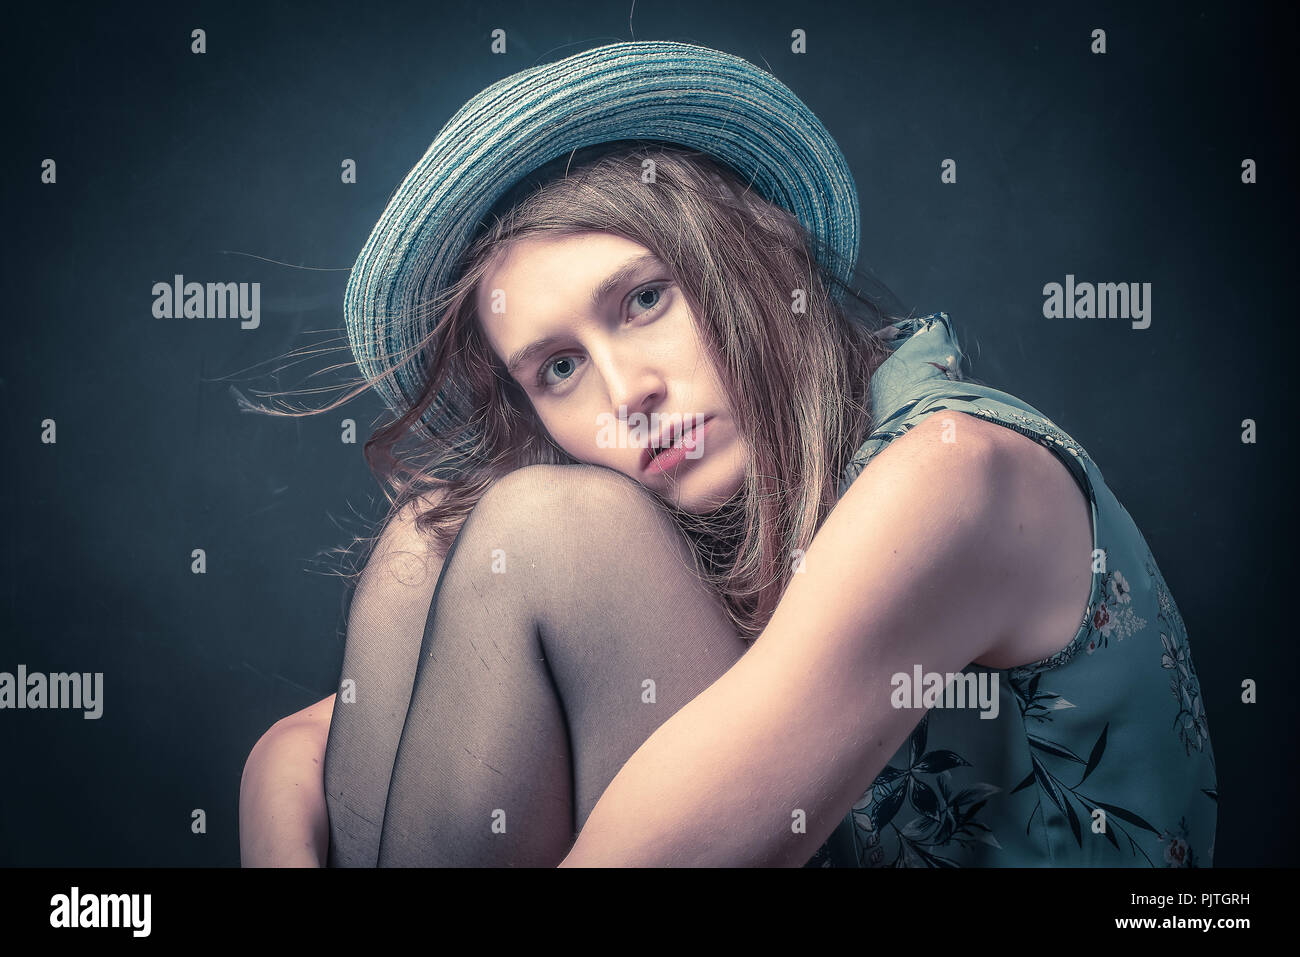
pixel 794 363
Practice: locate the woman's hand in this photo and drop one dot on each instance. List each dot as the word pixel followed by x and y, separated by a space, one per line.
pixel 283 820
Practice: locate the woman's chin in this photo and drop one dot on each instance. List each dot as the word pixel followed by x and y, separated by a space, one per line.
pixel 700 501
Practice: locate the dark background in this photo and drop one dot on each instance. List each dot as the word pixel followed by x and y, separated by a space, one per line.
pixel 1122 167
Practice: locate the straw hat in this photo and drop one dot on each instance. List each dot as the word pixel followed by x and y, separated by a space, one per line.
pixel 679 93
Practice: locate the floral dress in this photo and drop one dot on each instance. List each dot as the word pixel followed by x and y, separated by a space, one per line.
pixel 1100 754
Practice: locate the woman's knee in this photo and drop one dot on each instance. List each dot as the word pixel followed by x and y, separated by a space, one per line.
pixel 567 485
pixel 584 511
pixel 588 494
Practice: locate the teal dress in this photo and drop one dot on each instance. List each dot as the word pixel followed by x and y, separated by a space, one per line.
pixel 1100 754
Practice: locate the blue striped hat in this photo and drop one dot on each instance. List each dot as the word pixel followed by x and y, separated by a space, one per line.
pixel 682 93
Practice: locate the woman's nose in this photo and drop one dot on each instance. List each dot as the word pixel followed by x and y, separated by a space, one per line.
pixel 633 386
pixel 644 399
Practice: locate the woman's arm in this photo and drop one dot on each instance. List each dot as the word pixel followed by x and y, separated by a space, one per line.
pixel 283 821
pixel 922 563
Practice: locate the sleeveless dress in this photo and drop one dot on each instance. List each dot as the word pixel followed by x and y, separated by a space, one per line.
pixel 1100 754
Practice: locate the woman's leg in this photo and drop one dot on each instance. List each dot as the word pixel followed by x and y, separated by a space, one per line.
pixel 569 624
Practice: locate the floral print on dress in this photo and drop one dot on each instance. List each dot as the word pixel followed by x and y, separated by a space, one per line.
pixel 945 816
pixel 1047 434
pixel 1190 722
pixel 950 367
pixel 1050 760
pixel 1178 850
pixel 1114 617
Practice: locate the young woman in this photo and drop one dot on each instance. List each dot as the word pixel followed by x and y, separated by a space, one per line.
pixel 703 558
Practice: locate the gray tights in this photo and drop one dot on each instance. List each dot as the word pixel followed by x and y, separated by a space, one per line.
pixel 567 589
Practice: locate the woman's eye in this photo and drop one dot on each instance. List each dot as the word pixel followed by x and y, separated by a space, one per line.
pixel 647 298
pixel 653 291
pixel 564 366
pixel 640 298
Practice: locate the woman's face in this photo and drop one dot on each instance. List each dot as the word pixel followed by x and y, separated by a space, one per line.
pixel 598 335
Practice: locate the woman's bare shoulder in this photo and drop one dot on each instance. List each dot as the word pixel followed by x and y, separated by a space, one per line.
pixel 1043 523
pixel 947 436
pixel 1024 511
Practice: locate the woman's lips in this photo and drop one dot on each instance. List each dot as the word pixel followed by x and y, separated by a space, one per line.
pixel 675 454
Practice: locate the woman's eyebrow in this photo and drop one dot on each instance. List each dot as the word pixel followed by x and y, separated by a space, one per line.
pixel 620 276
pixel 523 355
pixel 607 286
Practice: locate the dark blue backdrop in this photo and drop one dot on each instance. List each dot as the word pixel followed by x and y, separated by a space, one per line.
pixel 1117 167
